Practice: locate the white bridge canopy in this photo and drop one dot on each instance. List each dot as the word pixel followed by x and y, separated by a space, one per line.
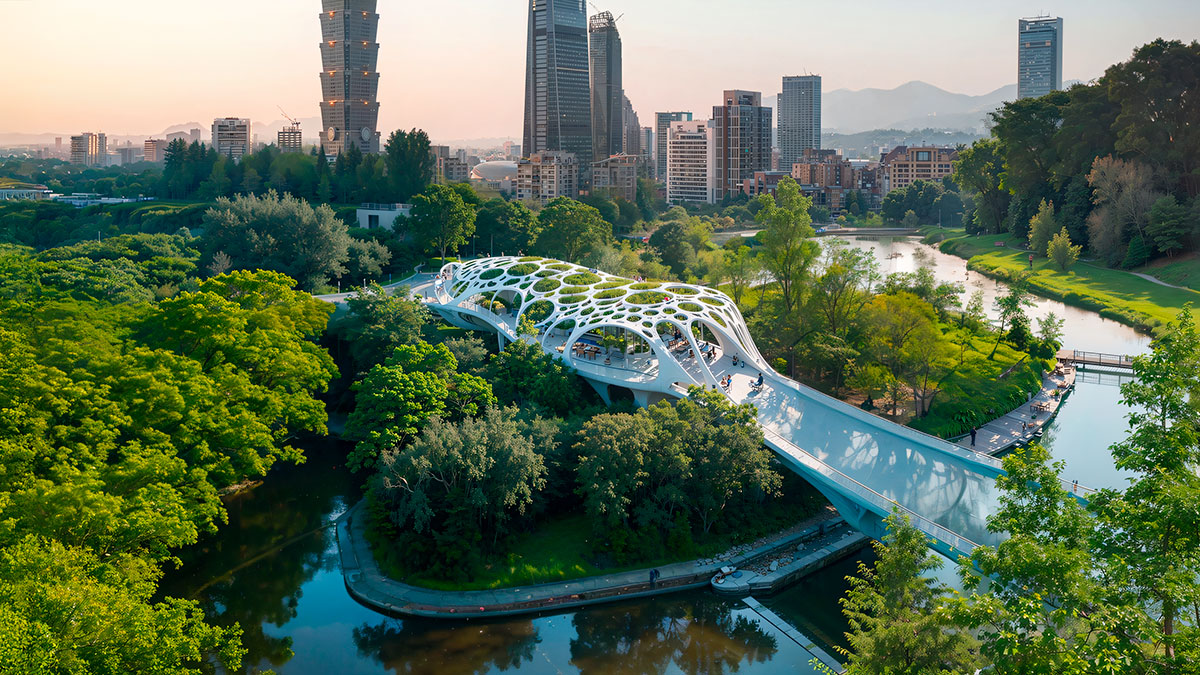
pixel 656 339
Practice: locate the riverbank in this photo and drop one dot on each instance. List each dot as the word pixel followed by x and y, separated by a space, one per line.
pixel 1143 304
pixel 1024 423
pixel 369 586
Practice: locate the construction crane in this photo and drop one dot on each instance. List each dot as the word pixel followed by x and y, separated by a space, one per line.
pixel 596 9
pixel 288 117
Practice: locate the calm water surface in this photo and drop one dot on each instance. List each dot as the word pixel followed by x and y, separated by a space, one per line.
pixel 274 569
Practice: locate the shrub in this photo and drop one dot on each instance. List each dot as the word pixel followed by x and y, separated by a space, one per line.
pixel 546 285
pixel 583 279
pixel 646 298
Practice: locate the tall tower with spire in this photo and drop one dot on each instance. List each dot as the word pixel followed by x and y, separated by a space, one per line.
pixel 349 79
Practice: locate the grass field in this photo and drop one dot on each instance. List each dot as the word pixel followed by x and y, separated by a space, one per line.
pixel 1114 294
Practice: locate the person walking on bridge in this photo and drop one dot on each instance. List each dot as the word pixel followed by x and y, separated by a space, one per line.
pixel 973 432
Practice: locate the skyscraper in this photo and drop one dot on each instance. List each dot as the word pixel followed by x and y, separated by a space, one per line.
pixel 608 96
pixel 89 149
pixel 1039 56
pixel 349 81
pixel 662 129
pixel 558 103
pixel 689 172
pixel 741 141
pixel 632 134
pixel 799 118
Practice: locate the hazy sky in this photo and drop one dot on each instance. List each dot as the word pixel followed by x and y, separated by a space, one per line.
pixel 456 67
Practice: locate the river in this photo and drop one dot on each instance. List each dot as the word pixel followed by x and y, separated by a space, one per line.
pixel 274 567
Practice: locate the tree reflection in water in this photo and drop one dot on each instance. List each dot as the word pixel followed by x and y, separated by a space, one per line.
pixel 417 646
pixel 275 542
pixel 699 634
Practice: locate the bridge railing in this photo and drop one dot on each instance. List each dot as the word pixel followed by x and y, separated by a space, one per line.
pixel 881 503
pixel 1101 359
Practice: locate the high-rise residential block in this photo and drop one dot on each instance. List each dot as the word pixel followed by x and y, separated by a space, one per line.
pixel 799 118
pixel 547 175
pixel 616 176
pixel 689 156
pixel 155 150
pixel 89 149
pixel 558 102
pixel 290 138
pixel 608 93
pixel 231 137
pixel 647 144
pixel 741 141
pixel 662 128
pixel 903 165
pixel 349 79
pixel 1039 56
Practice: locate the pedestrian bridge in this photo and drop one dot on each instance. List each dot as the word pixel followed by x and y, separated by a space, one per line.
pixel 655 340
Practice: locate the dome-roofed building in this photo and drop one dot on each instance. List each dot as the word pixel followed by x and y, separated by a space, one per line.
pixel 498 175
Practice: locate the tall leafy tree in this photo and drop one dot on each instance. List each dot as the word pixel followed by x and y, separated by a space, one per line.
pixel 376 323
pixel 410 164
pixel 1151 527
pixel 570 230
pixel 788 252
pixel 281 234
pixel 505 227
pixel 898 620
pixel 978 170
pixel 1042 228
pixel 441 220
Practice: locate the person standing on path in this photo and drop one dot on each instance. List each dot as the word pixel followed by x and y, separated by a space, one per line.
pixel 973 432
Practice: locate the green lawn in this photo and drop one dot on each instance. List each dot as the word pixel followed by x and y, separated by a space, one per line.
pixel 1114 294
pixel 1183 270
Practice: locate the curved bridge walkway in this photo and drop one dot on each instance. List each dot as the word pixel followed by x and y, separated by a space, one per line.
pixel 865 465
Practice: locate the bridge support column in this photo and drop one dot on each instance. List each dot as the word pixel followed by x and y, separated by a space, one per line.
pixel 601 389
pixel 641 398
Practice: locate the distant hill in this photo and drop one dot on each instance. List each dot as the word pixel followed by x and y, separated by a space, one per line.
pixel 868 144
pixel 915 105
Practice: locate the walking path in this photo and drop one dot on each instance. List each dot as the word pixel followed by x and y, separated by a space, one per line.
pixel 1027 421
pixel 371 587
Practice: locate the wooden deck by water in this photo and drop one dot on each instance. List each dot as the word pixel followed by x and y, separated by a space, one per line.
pixel 1026 423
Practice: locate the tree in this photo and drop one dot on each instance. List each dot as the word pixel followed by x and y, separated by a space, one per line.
pixel 896 612
pixel 927 360
pixel 1047 608
pixel 1041 229
pixel 910 220
pixel 64 610
pixel 506 227
pixel 441 220
pixel 1124 194
pixel 282 234
pixel 788 252
pixel 524 373
pixel 978 170
pixel 1062 252
pixel 1014 322
pixel 671 241
pixel 740 268
pixel 1168 226
pixel 376 323
pixel 1150 526
pixel 457 487
pixel 410 163
pixel 570 230
pixel 396 399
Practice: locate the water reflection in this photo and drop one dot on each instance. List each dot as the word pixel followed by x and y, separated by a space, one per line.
pixel 277 539
pixel 415 647
pixel 696 637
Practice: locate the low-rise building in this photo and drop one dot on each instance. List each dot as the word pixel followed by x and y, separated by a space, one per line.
pixel 11 190
pixel 617 176
pixel 452 170
pixel 374 216
pixel 155 150
pixel 903 165
pixel 547 175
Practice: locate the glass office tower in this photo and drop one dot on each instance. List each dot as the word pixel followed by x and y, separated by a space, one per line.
pixel 608 95
pixel 1039 56
pixel 558 104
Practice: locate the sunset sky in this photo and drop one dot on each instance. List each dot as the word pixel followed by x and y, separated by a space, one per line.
pixel 456 67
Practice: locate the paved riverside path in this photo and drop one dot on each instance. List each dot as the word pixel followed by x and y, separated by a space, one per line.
pixel 1027 421
pixel 368 585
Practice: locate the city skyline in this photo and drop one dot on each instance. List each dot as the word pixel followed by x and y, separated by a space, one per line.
pixel 176 75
